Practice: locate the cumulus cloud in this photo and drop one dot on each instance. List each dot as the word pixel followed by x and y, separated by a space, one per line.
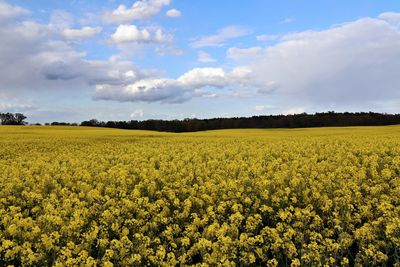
pixel 131 33
pixel 9 12
pixel 92 72
pixel 205 57
pixel 165 90
pixel 392 18
pixel 200 77
pixel 84 32
pixel 347 64
pixel 173 13
pixel 33 57
pixel 140 10
pixel 149 90
pixel 219 39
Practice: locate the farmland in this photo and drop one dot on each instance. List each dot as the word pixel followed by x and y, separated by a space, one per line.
pixel 76 196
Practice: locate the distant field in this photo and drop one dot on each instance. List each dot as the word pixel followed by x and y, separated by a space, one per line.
pixel 76 196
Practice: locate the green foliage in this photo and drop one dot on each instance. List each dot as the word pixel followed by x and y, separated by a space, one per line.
pixel 12 118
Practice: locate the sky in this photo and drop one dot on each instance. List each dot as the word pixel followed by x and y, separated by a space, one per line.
pixel 173 59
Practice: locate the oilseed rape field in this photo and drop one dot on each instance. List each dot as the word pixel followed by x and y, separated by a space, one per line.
pixel 76 196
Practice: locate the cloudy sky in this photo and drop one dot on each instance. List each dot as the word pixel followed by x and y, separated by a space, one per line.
pixel 171 59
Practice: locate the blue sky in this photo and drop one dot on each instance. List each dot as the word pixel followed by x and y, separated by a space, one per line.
pixel 168 59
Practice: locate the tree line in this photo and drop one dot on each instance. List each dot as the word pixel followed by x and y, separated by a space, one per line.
pixel 324 119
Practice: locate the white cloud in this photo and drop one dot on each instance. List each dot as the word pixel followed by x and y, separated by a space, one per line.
pixel 356 62
pixel 200 77
pixel 205 57
pixel 33 57
pixel 8 11
pixel 242 74
pixel 140 10
pixel 191 84
pixel 392 18
pixel 130 74
pixel 131 33
pixel 137 113
pixel 148 90
pixel 241 54
pixel 160 36
pixel 173 13
pixel 219 39
pixel 81 33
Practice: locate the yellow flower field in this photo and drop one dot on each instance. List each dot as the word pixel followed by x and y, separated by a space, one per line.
pixel 75 196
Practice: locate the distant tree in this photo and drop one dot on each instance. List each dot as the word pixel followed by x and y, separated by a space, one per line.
pixel 324 119
pixel 12 119
pixel 19 118
pixel 93 122
pixel 57 123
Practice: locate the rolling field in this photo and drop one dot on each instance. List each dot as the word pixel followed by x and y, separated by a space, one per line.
pixel 75 196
